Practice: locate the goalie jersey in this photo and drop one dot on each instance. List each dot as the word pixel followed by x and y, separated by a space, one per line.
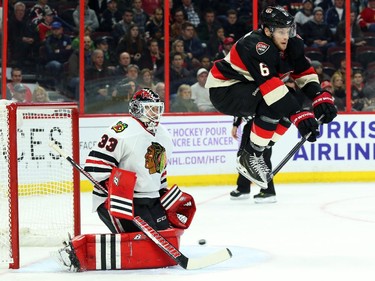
pixel 129 146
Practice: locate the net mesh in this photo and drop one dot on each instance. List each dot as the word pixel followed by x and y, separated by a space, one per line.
pixel 45 180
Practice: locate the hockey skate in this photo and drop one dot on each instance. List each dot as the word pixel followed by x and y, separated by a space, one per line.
pixel 67 256
pixel 262 198
pixel 253 168
pixel 238 195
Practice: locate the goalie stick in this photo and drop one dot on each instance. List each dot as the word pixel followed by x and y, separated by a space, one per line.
pixel 152 234
pixel 290 154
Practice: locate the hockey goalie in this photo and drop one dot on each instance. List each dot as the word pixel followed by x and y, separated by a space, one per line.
pixel 129 163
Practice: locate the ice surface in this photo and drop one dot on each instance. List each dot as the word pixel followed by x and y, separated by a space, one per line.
pixel 314 232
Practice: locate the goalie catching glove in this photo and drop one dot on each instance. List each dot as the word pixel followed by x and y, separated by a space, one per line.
pixel 179 207
pixel 323 104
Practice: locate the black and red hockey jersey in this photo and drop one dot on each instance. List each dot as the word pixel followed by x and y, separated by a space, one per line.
pixel 255 58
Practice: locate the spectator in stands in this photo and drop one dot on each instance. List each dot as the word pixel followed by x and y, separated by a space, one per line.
pixel 183 101
pixel 192 45
pixel 37 12
pixel 97 80
pixel 155 27
pixel 335 15
pixel 304 15
pixel 338 91
pixel 356 34
pixel 206 62
pixel 122 27
pixel 44 27
pixel 73 67
pixel 87 32
pixel 19 93
pixel 358 96
pixel 133 43
pixel 152 58
pixel 90 17
pixel 110 17
pixel 207 28
pixel 227 45
pixel 367 17
pixel 232 27
pixel 179 19
pixel 23 39
pixel 150 5
pixel 317 33
pixel 146 79
pixel 178 47
pixel 16 78
pixel 193 15
pixel 98 6
pixel 178 73
pixel 200 94
pixel 216 43
pixel 133 74
pixel 58 50
pixel 109 55
pixel 140 17
pixel 160 89
pixel 124 61
pixel 317 65
pixel 121 96
pixel 40 95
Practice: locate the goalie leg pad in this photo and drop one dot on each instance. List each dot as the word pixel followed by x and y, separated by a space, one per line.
pixel 179 207
pixel 123 251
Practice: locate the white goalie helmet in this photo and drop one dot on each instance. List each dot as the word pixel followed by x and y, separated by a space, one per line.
pixel 147 107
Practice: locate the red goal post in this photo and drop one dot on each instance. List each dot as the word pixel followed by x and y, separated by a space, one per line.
pixel 39 190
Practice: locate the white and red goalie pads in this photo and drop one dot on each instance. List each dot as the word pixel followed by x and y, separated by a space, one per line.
pixel 179 207
pixel 120 193
pixel 123 251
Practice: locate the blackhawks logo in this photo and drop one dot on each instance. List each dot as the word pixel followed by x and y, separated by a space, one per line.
pixel 119 127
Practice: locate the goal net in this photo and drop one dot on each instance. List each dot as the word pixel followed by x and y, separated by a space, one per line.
pixel 39 190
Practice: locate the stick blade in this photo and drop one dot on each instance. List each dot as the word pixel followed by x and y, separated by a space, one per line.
pixel 212 259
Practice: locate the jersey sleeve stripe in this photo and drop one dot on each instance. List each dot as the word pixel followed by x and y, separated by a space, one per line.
pixel 235 58
pixel 105 157
pixel 273 90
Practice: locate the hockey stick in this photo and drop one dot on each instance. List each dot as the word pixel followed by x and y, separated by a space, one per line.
pixel 155 236
pixel 290 154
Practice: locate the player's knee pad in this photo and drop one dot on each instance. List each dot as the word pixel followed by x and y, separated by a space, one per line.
pixel 179 207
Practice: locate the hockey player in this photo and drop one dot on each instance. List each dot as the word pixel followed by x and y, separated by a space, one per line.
pixel 242 191
pixel 250 81
pixel 130 161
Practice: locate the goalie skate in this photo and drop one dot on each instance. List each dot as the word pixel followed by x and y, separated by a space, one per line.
pixel 67 256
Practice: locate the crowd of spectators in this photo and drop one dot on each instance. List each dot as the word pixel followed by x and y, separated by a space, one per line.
pixel 124 46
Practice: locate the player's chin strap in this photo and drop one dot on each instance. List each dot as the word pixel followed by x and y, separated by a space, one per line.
pixel 290 154
pixel 155 236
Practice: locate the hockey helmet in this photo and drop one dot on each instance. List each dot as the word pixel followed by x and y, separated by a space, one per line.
pixel 277 17
pixel 147 107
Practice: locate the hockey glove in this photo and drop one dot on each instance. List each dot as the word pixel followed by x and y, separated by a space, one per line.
pixel 323 105
pixel 306 124
pixel 179 207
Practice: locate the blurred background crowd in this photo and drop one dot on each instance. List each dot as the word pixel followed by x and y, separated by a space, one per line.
pixel 124 49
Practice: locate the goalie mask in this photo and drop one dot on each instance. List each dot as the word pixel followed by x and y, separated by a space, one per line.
pixel 277 17
pixel 147 108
